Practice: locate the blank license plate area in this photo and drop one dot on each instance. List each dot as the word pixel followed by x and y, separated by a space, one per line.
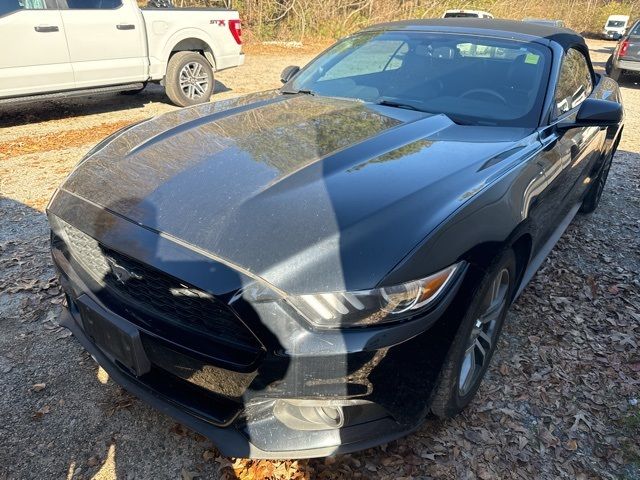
pixel 118 339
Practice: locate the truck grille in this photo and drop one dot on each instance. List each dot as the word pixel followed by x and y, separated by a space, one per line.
pixel 156 301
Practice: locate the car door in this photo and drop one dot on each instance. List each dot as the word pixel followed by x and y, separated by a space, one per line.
pixel 569 154
pixel 33 50
pixel 107 41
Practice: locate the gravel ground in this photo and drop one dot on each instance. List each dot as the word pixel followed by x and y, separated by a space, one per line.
pixel 560 399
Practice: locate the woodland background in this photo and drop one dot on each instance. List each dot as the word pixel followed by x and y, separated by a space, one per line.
pixel 303 20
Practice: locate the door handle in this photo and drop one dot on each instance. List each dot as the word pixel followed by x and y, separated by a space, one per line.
pixel 46 28
pixel 125 26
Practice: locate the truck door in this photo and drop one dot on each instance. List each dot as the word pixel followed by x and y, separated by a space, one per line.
pixel 33 51
pixel 107 41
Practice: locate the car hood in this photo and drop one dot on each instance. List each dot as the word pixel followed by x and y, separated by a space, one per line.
pixel 308 193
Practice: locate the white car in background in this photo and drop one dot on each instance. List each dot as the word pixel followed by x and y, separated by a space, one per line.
pixel 615 27
pixel 466 14
pixel 58 48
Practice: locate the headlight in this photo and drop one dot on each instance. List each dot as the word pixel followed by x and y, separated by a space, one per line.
pixel 371 307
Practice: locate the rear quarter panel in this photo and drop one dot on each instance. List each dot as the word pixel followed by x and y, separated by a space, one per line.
pixel 166 28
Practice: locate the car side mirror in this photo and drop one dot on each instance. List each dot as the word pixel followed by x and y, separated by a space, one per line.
pixel 288 73
pixel 596 113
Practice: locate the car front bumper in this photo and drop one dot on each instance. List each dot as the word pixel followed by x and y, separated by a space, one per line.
pixel 234 440
pixel 385 376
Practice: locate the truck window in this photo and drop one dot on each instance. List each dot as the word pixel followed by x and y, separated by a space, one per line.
pixel 10 6
pixel 92 4
pixel 575 83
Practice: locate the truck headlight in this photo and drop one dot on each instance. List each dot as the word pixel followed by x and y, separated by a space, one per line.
pixel 372 307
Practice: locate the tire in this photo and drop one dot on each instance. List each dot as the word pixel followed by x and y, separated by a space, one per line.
pixel 455 389
pixel 609 65
pixel 615 73
pixel 593 196
pixel 189 79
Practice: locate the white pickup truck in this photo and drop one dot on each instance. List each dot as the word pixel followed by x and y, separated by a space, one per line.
pixel 55 48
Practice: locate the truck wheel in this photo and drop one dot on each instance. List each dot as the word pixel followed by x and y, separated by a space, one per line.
pixel 189 79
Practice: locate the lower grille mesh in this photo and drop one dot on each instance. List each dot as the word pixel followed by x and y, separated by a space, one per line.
pixel 159 299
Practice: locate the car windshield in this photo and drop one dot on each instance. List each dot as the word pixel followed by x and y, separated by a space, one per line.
pixel 472 79
pixel 615 23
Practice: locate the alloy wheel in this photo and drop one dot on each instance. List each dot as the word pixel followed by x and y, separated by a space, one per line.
pixel 483 334
pixel 194 81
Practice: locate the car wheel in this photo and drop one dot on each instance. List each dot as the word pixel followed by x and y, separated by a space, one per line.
pixel 189 79
pixel 592 199
pixel 609 65
pixel 615 73
pixel 475 341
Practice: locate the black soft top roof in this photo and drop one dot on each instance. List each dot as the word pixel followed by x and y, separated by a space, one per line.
pixel 500 28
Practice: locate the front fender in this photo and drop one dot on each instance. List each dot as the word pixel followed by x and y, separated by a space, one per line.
pixel 495 216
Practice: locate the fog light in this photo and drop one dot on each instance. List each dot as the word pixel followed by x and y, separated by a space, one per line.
pixel 303 415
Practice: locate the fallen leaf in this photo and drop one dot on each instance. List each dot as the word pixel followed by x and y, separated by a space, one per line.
pixel 580 416
pixel 188 475
pixel 208 455
pixel 571 445
pixel 473 436
pixel 42 412
pixel 180 430
pixel 38 387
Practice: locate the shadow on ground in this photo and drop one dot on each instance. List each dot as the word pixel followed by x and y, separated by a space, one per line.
pixel 77 107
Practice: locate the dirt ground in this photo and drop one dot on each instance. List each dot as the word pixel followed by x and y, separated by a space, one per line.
pixel 560 400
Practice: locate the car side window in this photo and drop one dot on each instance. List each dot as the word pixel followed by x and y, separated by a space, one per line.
pixel 575 83
pixel 92 4
pixel 373 57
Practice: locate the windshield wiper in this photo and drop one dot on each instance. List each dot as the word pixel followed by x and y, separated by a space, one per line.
pixel 393 103
pixel 302 91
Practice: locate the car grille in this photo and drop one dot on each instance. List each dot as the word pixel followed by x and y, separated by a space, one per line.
pixel 156 301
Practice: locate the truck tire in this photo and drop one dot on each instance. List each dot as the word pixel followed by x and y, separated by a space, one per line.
pixel 609 65
pixel 189 79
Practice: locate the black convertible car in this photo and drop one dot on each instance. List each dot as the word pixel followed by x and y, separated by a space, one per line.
pixel 316 269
